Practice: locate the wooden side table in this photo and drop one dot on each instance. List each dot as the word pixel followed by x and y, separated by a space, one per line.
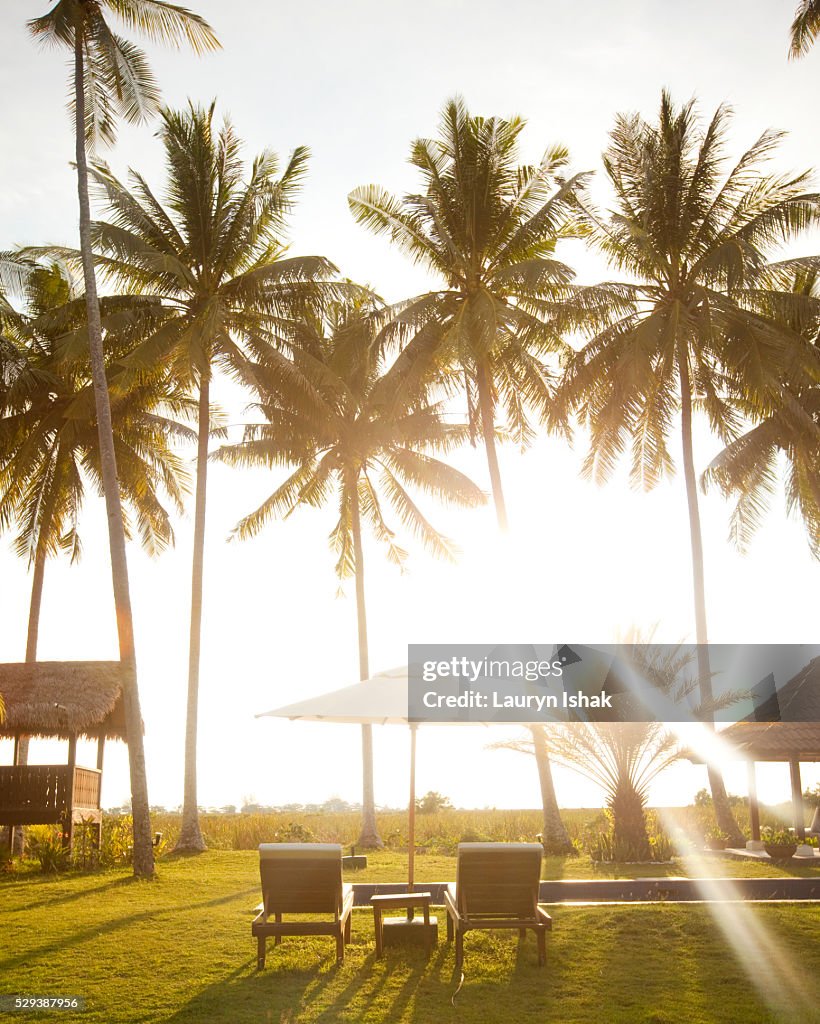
pixel 408 901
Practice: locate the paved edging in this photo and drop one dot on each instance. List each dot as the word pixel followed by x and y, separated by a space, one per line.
pixel 638 890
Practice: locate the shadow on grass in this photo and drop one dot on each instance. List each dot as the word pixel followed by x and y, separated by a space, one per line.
pixel 78 937
pixel 717 963
pixel 52 900
pixel 177 855
pixel 363 988
pixel 555 868
pixel 304 984
pixel 660 965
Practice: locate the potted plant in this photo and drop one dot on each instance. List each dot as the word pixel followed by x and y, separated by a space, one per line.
pixel 779 844
pixel 715 838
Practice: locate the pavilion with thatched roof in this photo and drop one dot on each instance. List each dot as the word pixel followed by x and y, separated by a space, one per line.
pixel 64 700
pixel 784 728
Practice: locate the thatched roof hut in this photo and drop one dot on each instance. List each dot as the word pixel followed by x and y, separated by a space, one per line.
pixel 785 728
pixel 63 699
pixel 796 737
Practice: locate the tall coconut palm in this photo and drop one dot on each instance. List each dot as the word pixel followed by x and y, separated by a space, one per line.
pixel 691 233
pixel 805 27
pixel 358 435
pixel 212 252
pixel 111 79
pixel 17 383
pixel 748 466
pixel 49 444
pixel 487 229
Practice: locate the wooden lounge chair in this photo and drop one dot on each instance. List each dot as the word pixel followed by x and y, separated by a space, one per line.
pixel 302 878
pixel 496 887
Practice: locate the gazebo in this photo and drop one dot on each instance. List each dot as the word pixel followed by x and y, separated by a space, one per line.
pixel 795 738
pixel 62 700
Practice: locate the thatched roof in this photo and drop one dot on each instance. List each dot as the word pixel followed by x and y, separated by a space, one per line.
pixel 61 698
pixel 796 736
pixel 774 741
pixel 796 702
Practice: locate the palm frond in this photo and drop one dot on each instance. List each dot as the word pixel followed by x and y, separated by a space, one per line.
pixel 804 28
pixel 167 23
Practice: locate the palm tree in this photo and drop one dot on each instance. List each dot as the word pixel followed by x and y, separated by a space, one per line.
pixel 17 383
pixel 358 435
pixel 624 758
pixel 213 254
pixel 804 28
pixel 48 446
pixel 748 466
pixel 49 441
pixel 680 336
pixel 111 78
pixel 487 229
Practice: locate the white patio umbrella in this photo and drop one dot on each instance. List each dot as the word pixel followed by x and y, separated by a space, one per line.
pixel 379 700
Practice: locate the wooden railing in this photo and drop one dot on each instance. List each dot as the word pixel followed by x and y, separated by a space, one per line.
pixel 87 788
pixel 39 794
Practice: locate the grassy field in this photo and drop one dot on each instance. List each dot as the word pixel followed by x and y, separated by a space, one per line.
pixel 179 950
pixel 440 832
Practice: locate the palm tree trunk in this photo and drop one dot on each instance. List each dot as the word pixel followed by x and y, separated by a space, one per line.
pixel 34 606
pixel 18 835
pixel 369 838
pixel 143 855
pixel 629 832
pixel 723 812
pixel 555 836
pixel 190 835
pixel 485 403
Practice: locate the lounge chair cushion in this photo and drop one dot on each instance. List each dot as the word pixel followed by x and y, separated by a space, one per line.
pixel 315 851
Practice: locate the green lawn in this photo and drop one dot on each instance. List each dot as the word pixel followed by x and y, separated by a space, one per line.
pixel 179 949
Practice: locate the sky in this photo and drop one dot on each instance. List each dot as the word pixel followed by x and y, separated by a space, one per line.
pixel 357 83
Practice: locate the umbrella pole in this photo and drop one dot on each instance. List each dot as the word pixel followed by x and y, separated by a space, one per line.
pixel 411 829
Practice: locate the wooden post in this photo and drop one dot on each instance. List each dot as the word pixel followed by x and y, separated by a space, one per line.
pixel 411 826
pixel 754 807
pixel 797 800
pixel 16 832
pixel 100 753
pixel 68 824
